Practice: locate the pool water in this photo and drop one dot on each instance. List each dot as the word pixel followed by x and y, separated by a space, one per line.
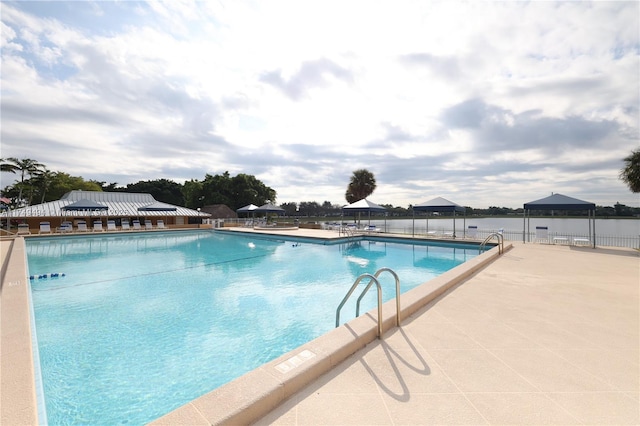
pixel 141 324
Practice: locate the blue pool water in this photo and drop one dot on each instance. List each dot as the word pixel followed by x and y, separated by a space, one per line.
pixel 140 324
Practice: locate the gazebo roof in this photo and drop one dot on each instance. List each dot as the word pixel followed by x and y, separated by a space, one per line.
pixel 439 204
pixel 559 202
pixel 364 205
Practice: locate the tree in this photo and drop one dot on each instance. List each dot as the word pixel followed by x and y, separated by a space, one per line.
pixel 362 184
pixel 26 167
pixel 630 174
pixel 234 192
pixel 290 209
pixel 43 180
pixel 61 183
pixel 163 190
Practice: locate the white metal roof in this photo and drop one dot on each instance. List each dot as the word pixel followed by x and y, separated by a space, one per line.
pixel 120 204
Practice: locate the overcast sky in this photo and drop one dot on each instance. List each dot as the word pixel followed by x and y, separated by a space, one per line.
pixel 483 103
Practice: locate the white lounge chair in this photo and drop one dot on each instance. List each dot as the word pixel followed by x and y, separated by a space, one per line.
pixel 581 241
pixel 148 225
pixel 560 240
pixel 65 226
pixel 124 225
pixel 136 225
pixel 82 226
pixel 160 224
pixel 372 228
pixel 542 234
pixel 23 229
pixel 97 226
pixel 472 231
pixel 111 225
pixel 45 228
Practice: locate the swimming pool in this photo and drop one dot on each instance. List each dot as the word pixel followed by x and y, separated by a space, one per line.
pixel 141 324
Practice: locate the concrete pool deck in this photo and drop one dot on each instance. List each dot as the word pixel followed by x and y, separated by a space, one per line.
pixel 544 334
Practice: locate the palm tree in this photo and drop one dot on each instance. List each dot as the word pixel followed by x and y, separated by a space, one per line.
pixel 630 174
pixel 43 179
pixel 362 184
pixel 25 166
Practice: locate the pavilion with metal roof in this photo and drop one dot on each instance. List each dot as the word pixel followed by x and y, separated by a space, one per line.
pixel 102 205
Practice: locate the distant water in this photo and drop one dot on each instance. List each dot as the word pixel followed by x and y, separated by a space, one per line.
pixel 571 226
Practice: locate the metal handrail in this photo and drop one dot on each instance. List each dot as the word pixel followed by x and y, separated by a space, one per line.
pixel 377 274
pixel 500 238
pixel 353 287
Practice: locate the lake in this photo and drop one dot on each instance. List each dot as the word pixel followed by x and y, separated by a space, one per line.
pixel 613 232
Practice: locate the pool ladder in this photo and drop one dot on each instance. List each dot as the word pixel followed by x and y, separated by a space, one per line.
pixel 373 279
pixel 500 238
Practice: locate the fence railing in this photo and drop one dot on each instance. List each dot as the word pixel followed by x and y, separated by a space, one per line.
pixel 629 241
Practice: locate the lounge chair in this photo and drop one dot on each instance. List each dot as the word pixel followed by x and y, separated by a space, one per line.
pixel 111 225
pixel 82 226
pixel 65 226
pixel 45 228
pixel 125 225
pixel 579 241
pixel 136 225
pixel 560 240
pixel 372 228
pixel 160 224
pixel 97 226
pixel 148 225
pixel 23 229
pixel 542 233
pixel 472 231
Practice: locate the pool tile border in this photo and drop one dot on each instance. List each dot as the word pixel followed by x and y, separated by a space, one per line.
pixel 18 386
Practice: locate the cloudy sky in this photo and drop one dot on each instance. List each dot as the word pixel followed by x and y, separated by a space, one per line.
pixel 483 103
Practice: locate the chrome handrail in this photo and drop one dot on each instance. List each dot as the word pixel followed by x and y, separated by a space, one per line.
pixel 500 238
pixel 377 274
pixel 353 287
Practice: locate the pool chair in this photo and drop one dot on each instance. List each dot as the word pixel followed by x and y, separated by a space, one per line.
pixel 82 226
pixel 65 227
pixel 472 231
pixel 372 228
pixel 111 225
pixel 23 229
pixel 45 228
pixel 542 234
pixel 97 226
pixel 160 224
pixel 578 241
pixel 560 240
pixel 148 225
pixel 125 225
pixel 136 225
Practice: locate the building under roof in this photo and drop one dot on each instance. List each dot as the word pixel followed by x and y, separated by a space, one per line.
pixel 91 205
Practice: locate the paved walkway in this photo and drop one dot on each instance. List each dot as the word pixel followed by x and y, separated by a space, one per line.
pixel 544 335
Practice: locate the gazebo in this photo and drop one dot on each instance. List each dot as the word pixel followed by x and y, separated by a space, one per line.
pixel 269 208
pixel 560 202
pixel 363 206
pixel 440 205
pixel 250 208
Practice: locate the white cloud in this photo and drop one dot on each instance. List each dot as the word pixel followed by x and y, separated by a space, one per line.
pixel 472 99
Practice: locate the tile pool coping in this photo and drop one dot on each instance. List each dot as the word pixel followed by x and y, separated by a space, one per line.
pixel 243 400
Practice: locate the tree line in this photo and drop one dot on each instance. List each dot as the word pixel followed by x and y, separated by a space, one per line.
pixel 35 184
